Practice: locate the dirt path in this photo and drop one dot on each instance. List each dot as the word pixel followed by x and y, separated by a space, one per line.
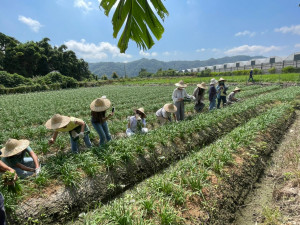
pixel 275 199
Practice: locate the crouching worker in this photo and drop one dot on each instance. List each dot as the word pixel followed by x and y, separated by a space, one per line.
pixel 231 97
pixel 77 128
pixel 164 114
pixel 14 156
pixel 137 123
pixel 199 96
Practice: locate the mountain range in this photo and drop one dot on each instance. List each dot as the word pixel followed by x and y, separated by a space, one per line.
pixel 132 69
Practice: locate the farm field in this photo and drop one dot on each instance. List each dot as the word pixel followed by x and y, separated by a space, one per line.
pixel 271 78
pixel 126 161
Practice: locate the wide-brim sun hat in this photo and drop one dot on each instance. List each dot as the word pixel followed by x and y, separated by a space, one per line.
pixel 181 84
pixel 57 121
pixel 170 108
pixel 14 146
pixel 202 85
pixel 213 81
pixel 221 79
pixel 237 89
pixel 142 111
pixel 100 104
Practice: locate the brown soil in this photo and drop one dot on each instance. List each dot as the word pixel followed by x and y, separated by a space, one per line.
pixel 275 199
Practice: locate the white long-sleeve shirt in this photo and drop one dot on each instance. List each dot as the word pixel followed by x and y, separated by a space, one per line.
pixel 177 94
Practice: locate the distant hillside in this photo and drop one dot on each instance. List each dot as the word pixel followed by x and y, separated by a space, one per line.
pixel 152 65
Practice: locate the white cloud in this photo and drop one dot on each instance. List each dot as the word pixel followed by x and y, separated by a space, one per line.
pixel 94 52
pixel 245 33
pixel 215 50
pixel 292 29
pixel 33 24
pixel 297 46
pixel 200 50
pixel 166 53
pixel 148 54
pixel 83 4
pixel 252 50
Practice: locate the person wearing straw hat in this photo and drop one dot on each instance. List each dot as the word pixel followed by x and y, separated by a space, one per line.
pixel 221 92
pixel 13 155
pixel 77 128
pixel 137 123
pixel 199 96
pixel 98 111
pixel 179 95
pixel 231 97
pixel 212 94
pixel 164 114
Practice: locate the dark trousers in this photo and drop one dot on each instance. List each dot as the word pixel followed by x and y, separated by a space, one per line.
pixel 2 211
pixel 223 99
pixel 250 78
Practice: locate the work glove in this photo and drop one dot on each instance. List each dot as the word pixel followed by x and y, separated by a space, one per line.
pixel 81 134
pixel 37 171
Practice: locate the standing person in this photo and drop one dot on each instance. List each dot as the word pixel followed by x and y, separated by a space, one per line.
pixel 231 96
pixel 199 96
pixel 77 128
pixel 14 154
pixel 221 92
pixel 178 96
pixel 98 111
pixel 251 75
pixel 164 113
pixel 4 168
pixel 137 123
pixel 212 94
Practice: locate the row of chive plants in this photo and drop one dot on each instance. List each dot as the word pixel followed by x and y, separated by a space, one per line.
pixel 167 198
pixel 69 169
pixel 23 115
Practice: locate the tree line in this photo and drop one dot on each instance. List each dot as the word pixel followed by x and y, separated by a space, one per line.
pixel 33 59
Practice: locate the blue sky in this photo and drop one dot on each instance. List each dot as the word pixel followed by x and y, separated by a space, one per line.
pixel 194 29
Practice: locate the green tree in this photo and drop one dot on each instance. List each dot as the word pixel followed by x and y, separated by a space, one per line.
pixel 104 77
pixel 138 17
pixel 114 75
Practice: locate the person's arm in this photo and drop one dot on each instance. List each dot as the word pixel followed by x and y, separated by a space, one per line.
pixel 174 115
pixel 81 123
pixel 22 167
pixel 35 159
pixel 110 115
pixel 4 168
pixel 54 136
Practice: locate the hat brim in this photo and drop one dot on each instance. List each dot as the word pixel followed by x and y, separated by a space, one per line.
pixel 94 108
pixel 180 85
pixel 221 80
pixel 200 86
pixel 55 126
pixel 168 110
pixel 141 112
pixel 23 145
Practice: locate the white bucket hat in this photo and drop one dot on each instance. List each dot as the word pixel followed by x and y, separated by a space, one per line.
pixel 237 89
pixel 213 81
pixel 57 121
pixel 100 104
pixel 13 147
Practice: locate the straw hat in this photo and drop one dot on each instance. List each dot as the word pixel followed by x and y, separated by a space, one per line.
pixel 57 121
pixel 13 147
pixel 181 84
pixel 202 85
pixel 237 89
pixel 170 108
pixel 142 111
pixel 213 81
pixel 100 104
pixel 221 79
